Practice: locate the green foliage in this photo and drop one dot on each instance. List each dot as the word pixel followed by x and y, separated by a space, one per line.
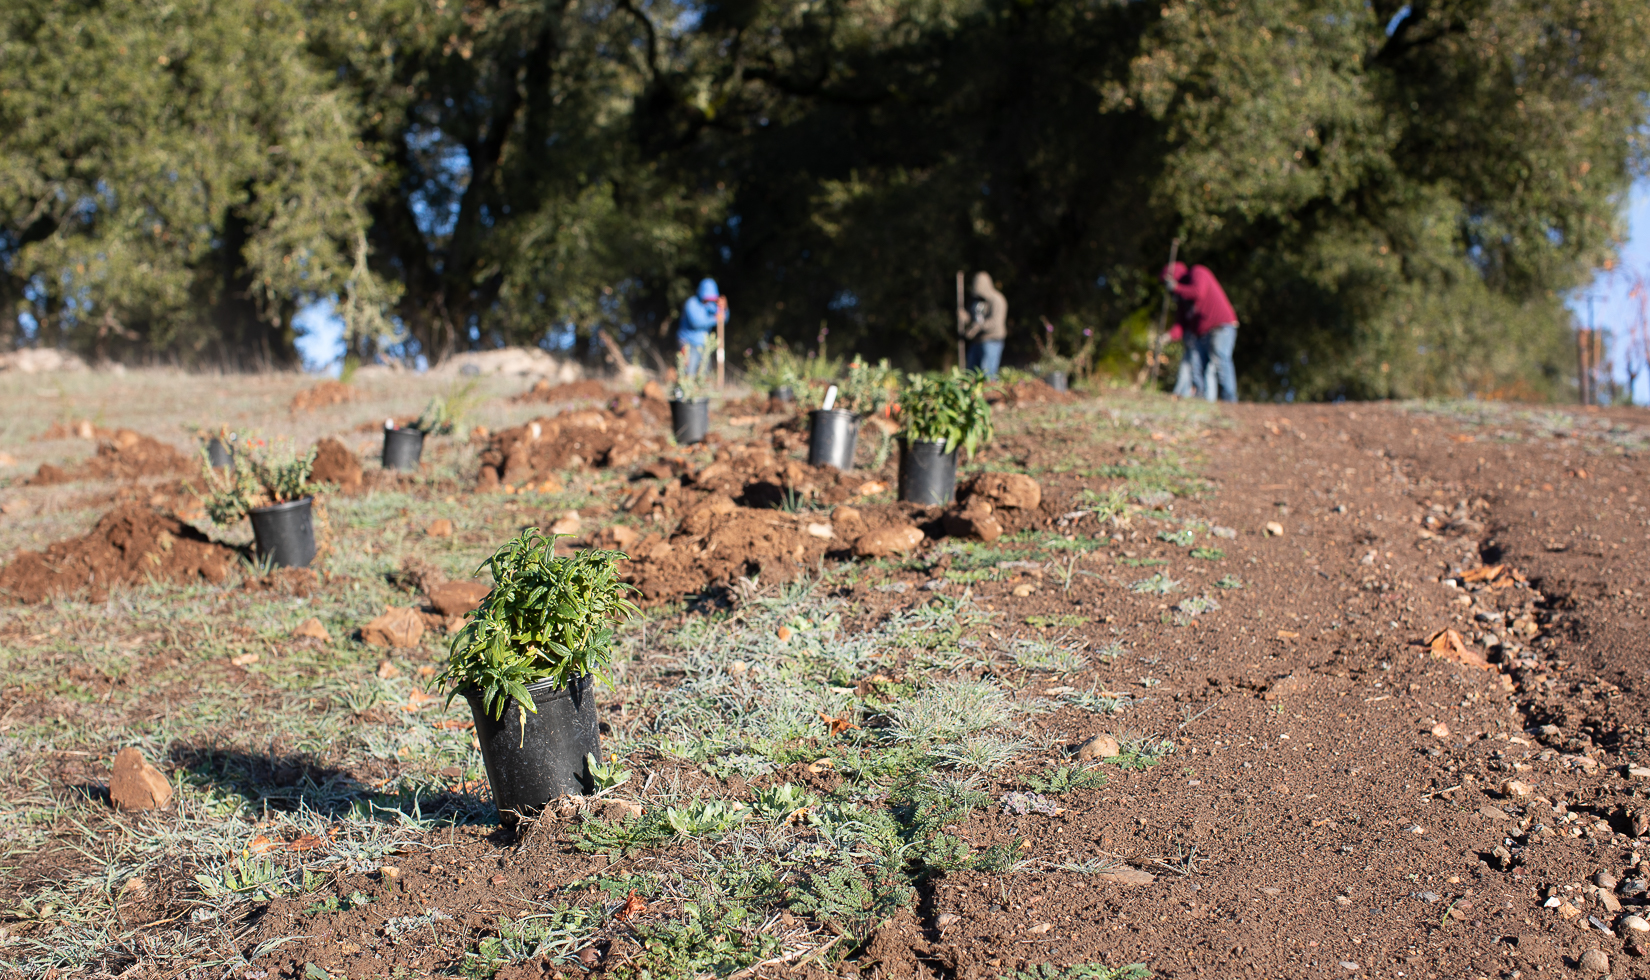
pixel 868 388
pixel 1208 554
pixel 1183 537
pixel 1157 584
pixel 556 935
pixel 692 385
pixel 547 618
pixel 948 408
pixel 777 364
pixel 853 899
pixel 446 411
pixel 260 474
pixel 713 936
pixel 1064 779
pixel 175 178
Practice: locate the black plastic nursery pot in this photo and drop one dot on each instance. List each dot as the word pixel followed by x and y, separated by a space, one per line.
pixel 690 420
pixel 285 533
pixel 217 453
pixel 1057 380
pixel 832 436
pixel 529 764
pixel 784 394
pixel 402 448
pixel 927 473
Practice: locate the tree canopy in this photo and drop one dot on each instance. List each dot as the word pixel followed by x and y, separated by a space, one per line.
pixel 1396 197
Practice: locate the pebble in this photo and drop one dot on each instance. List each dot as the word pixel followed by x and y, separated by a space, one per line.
pixel 1440 730
pixel 1635 923
pixel 1274 529
pixel 946 920
pixel 1594 961
pixel 1513 787
pixel 1099 747
pixel 1348 965
pixel 1041 928
pixel 1605 879
pixel 1427 896
pixel 136 785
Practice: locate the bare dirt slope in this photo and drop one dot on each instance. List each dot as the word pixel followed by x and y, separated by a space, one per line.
pixel 1375 675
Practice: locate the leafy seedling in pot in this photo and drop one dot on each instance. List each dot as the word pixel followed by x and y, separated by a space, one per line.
pixel 260 474
pixel 548 618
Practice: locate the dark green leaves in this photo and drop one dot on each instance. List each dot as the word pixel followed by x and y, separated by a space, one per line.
pixel 946 408
pixel 548 618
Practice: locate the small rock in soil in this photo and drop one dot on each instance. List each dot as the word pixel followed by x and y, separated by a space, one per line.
pixel 1594 961
pixel 888 541
pixel 388 671
pixel 846 515
pixel 1274 529
pixel 1099 747
pixel 1605 879
pixel 313 629
pixel 440 528
pixel 974 521
pixel 1635 923
pixel 1513 787
pixel 136 785
pixel 458 598
pixel 945 920
pixel 1011 490
pixel 397 627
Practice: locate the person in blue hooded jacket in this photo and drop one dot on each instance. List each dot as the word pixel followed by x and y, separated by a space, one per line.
pixel 699 321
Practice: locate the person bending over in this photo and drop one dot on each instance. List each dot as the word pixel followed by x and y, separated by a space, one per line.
pixel 1208 324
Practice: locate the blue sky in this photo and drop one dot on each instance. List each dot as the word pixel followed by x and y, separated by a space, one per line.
pixel 1613 309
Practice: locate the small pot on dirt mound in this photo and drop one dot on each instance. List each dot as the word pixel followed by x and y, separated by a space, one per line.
pixel 1057 380
pixel 532 757
pixel 832 436
pixel 402 448
pixel 217 453
pixel 927 473
pixel 285 533
pixel 690 420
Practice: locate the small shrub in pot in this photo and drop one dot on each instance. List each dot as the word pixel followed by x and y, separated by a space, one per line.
pixel 690 401
pixel 526 661
pixel 939 414
pixel 269 484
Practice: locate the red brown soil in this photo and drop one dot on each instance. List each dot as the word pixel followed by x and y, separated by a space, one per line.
pixel 126 455
pixel 1033 391
pixel 130 545
pixel 534 451
pixel 335 464
pixel 77 429
pixel 324 395
pixel 1336 802
pixel 543 392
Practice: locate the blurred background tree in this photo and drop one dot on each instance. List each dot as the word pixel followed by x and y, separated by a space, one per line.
pixel 1397 197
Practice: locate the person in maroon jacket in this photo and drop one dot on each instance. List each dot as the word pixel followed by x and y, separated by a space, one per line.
pixel 1209 324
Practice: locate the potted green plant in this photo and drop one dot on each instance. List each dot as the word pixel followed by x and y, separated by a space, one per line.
pixel 270 485
pixel 939 414
pixel 1055 368
pixel 690 400
pixel 404 445
pixel 526 661
pixel 833 428
pixel 776 369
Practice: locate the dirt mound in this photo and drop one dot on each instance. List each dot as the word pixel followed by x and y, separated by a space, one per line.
pixel 323 395
pixel 129 545
pixel 752 474
pixel 532 452
pixel 1030 392
pixel 718 542
pixel 127 455
pixel 543 392
pixel 76 429
pixel 335 464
